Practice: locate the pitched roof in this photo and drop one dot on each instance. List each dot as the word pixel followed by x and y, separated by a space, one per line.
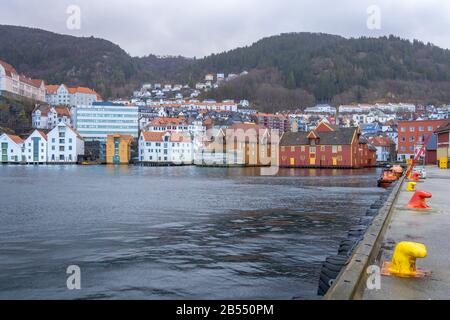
pixel 163 121
pixel 153 136
pixel 52 89
pixel 44 109
pixel 343 136
pixel 444 127
pixel 381 141
pixel 74 131
pixel 9 69
pixel 15 138
pixel 62 111
pixel 176 137
pixel 43 134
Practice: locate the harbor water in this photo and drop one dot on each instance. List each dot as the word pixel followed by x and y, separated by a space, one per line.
pixel 173 232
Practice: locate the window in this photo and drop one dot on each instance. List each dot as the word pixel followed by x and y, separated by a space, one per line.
pixel 403 148
pixel 303 148
pixel 292 149
pixel 421 128
pixel 339 148
pixel 334 149
pixel 312 150
pixel 283 149
pixel 411 148
pixel 411 139
pixel 322 148
pixel 430 128
pixel 412 129
pixel 402 129
pixel 403 139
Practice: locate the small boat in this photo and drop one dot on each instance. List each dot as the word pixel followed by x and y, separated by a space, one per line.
pixel 387 179
pixel 398 171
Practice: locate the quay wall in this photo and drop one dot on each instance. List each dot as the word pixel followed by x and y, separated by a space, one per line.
pixel 351 282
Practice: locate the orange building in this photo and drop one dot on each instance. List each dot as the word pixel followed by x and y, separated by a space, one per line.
pixel 118 149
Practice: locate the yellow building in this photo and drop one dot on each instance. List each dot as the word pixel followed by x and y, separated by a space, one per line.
pixel 118 149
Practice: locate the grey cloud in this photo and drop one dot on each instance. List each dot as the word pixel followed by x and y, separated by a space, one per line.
pixel 201 27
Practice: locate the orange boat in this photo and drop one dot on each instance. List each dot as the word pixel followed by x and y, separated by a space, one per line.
pixel 388 177
pixel 398 171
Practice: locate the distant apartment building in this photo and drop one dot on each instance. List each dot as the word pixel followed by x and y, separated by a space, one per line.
pixel 16 85
pixel 64 95
pixel 97 121
pixel 321 109
pixel 47 117
pixel 274 122
pixel 65 145
pixel 412 135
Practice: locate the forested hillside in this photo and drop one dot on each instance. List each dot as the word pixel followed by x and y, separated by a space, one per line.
pixel 285 71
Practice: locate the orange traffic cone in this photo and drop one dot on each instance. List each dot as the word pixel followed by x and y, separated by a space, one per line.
pixel 418 201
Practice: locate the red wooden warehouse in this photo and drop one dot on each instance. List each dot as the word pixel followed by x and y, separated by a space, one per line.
pixel 326 147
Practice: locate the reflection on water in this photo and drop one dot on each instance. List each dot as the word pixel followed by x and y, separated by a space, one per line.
pixel 173 233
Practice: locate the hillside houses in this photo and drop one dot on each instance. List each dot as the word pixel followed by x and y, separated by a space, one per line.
pixel 64 95
pixel 47 117
pixel 17 85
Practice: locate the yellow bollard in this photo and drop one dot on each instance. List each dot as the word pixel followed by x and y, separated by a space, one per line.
pixel 411 187
pixel 404 261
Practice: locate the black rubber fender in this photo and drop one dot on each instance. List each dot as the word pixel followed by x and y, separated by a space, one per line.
pixel 347 246
pixel 330 271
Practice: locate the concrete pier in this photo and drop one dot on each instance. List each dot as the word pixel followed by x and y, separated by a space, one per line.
pixel 430 227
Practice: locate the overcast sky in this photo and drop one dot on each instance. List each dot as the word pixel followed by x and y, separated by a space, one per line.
pixel 200 27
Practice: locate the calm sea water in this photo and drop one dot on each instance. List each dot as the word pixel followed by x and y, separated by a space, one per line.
pixel 173 233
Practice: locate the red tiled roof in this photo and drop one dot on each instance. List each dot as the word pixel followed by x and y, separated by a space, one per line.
pixel 15 138
pixel 153 136
pixel 168 121
pixel 180 138
pixel 381 141
pixel 9 69
pixel 51 89
pixel 62 111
